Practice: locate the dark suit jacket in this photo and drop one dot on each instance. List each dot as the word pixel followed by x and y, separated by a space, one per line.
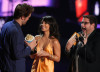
pixel 13 48
pixel 89 55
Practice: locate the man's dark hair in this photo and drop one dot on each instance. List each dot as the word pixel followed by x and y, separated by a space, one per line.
pixel 22 10
pixel 54 30
pixel 92 19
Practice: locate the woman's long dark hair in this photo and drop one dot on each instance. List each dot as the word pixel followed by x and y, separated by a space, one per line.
pixel 53 26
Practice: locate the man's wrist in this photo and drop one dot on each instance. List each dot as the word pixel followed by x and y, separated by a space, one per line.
pixel 34 51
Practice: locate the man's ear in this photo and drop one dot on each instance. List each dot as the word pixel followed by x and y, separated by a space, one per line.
pixel 23 18
pixel 93 25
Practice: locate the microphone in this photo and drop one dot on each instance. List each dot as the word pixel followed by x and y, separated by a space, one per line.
pixel 79 44
pixel 81 39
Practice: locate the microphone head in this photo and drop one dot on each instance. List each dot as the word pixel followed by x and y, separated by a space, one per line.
pixel 81 39
pixel 80 44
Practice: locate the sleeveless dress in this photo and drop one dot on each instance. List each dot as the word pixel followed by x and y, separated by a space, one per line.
pixel 43 64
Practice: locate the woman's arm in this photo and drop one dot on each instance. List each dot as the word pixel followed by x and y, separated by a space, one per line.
pixel 57 51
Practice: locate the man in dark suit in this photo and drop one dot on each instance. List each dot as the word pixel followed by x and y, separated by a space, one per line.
pixel 87 58
pixel 13 47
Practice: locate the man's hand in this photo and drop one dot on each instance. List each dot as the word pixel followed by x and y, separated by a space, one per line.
pixel 32 44
pixel 70 43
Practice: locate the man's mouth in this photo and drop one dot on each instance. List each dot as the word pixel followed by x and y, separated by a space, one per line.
pixel 83 28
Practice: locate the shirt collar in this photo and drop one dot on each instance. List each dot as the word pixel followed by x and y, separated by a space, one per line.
pixel 17 24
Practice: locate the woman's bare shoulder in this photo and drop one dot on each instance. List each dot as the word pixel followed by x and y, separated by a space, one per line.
pixel 55 41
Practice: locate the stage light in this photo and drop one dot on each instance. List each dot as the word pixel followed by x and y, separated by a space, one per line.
pixel 96 10
pixel 7 6
pixel 98 26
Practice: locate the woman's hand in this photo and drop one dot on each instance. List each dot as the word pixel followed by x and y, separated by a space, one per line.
pixel 42 53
